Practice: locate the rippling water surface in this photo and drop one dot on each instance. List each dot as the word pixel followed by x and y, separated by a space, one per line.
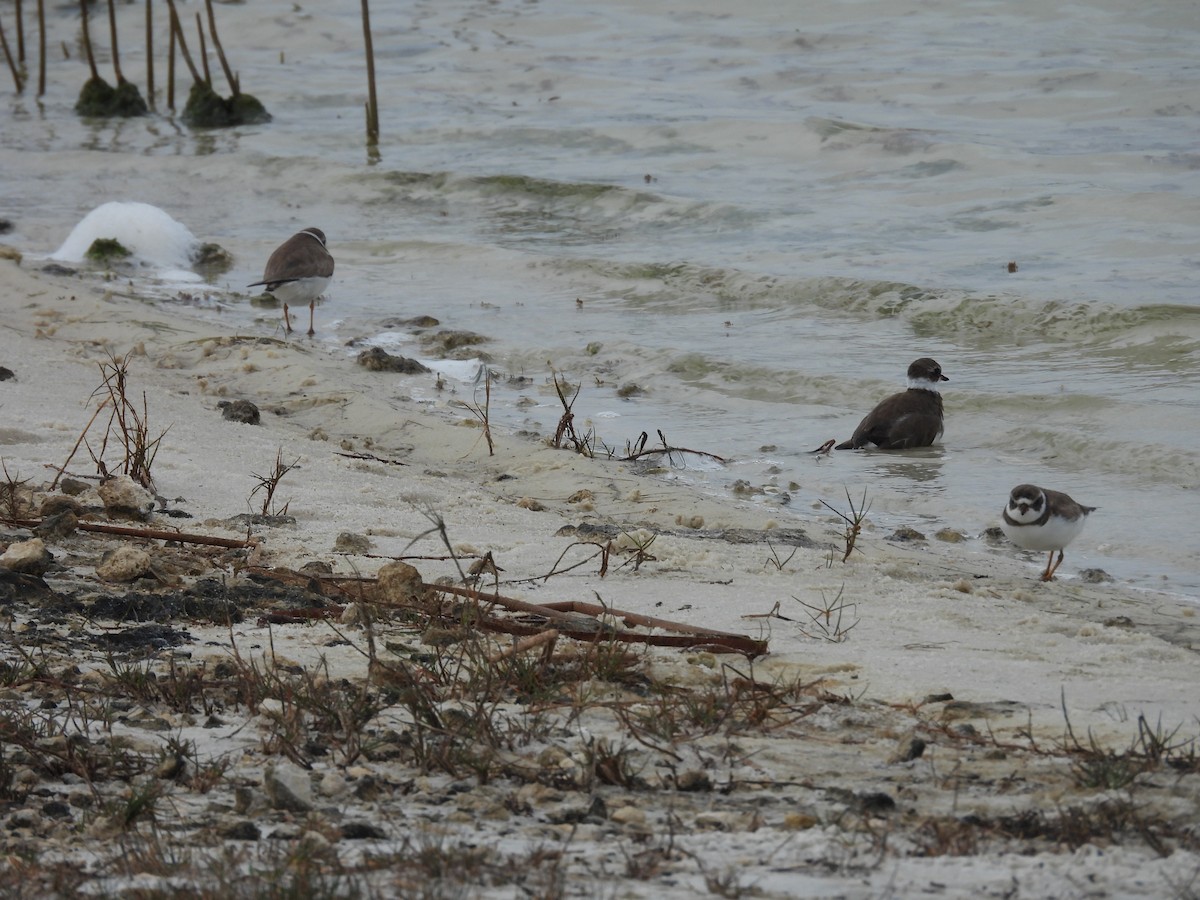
pixel 758 217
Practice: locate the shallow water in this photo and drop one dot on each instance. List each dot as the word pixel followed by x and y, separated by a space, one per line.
pixel 759 219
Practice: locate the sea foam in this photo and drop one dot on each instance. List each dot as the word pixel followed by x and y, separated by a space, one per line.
pixel 146 231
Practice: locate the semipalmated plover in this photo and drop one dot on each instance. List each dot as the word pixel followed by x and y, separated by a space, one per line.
pixel 912 418
pixel 1040 519
pixel 299 271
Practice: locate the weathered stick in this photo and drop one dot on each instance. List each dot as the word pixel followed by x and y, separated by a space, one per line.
pixel 41 47
pixel 154 534
pixel 177 30
pixel 75 449
pixel 20 33
pixel 203 50
pixel 372 98
pixel 116 52
pixel 212 29
pixel 87 40
pixel 171 66
pixel 570 619
pixel 538 640
pixel 150 51
pixel 12 63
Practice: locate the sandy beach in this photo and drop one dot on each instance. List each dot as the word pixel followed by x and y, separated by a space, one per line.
pixel 906 637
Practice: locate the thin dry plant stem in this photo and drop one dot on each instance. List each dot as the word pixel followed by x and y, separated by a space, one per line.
pixel 150 52
pixel 638 449
pixel 203 50
pixel 75 449
pixel 372 97
pixel 171 65
pixel 177 31
pixel 483 413
pixel 12 63
pixel 116 53
pixel 87 40
pixel 41 47
pixel 212 29
pixel 20 32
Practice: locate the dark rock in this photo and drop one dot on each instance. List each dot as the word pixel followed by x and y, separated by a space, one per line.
pixel 73 487
pixel 56 809
pixel 908 749
pixel 239 411
pixel 56 504
pixel 875 802
pixel 693 780
pixel 362 831
pixel 143 638
pixel 21 587
pixel 58 526
pixel 904 534
pixel 242 831
pixel 348 542
pixel 376 359
pixel 6 226
pixel 99 99
pixel 207 109
pixel 211 259
pixel 57 269
pixel 6 373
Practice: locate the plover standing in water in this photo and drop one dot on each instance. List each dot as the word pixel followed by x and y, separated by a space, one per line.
pixel 298 272
pixel 1041 519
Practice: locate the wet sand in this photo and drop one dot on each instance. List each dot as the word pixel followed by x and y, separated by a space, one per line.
pixel 920 618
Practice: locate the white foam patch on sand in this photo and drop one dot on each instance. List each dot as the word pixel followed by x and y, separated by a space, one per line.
pixel 151 234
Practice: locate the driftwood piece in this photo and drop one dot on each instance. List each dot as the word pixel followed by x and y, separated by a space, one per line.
pixel 570 619
pixel 543 639
pixel 154 534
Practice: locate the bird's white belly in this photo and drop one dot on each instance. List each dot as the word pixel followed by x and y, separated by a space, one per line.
pixel 1054 535
pixel 302 290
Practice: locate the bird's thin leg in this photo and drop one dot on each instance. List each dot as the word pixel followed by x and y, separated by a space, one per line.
pixel 311 305
pixel 1050 570
pixel 287 323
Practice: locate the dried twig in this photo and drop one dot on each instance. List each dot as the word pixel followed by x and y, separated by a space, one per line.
pixel 853 521
pixel 234 86
pixel 638 449
pixel 87 40
pixel 483 412
pixel 116 52
pixel 12 62
pixel 150 52
pixel 203 50
pixel 372 98
pixel 177 30
pixel 157 534
pixel 544 639
pixel 41 47
pixel 268 484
